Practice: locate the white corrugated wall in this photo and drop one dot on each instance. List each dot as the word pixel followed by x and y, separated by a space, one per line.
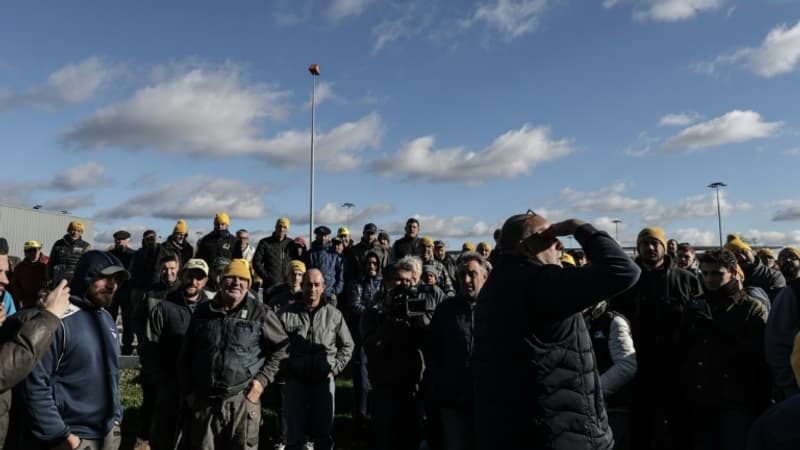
pixel 18 225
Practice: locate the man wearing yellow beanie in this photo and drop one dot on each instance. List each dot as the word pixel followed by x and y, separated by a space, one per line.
pixel 756 273
pixel 66 252
pixel 176 242
pixel 272 255
pixel 439 270
pixel 290 290
pixel 218 243
pixel 228 338
pixel 654 307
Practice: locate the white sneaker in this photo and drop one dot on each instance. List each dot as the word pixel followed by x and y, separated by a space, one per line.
pixel 278 446
pixel 309 446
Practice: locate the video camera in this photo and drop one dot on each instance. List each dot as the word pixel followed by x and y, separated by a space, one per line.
pixel 405 302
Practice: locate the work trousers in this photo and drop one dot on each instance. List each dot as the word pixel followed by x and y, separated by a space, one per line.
pixel 232 423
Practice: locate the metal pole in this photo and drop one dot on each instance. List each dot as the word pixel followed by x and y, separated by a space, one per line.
pixel 314 70
pixel 716 186
pixel 719 218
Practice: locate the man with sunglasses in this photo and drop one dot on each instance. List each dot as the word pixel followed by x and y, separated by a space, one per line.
pixel 535 374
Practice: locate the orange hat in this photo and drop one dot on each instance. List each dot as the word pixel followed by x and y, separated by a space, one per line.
pixel 222 219
pixel 238 268
pixel 181 227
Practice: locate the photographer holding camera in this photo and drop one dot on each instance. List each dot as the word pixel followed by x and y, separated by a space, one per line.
pixel 394 333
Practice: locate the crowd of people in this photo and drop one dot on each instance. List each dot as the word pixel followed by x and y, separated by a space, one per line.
pixel 520 344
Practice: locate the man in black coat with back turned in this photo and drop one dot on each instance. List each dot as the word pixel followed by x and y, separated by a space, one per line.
pixel 536 380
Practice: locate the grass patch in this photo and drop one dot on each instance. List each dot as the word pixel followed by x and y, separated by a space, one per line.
pixel 345 433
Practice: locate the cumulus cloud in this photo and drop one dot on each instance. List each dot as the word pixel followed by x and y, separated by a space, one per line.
pixel 787 210
pixel 511 154
pixel 607 199
pixel 69 203
pixel 324 93
pixel 733 127
pixel 667 10
pixel 195 197
pixel 334 214
pixel 694 207
pixel 681 119
pixel 90 174
pixel 465 227
pixel 71 84
pixel 778 54
pixel 340 9
pixel 696 237
pixel 512 18
pixel 213 112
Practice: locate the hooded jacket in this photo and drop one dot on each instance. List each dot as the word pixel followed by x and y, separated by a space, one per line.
pixel 330 264
pixel 75 387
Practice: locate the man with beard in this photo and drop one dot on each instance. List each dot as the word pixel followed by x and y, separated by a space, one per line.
pixel 449 263
pixel 755 272
pixel 219 242
pixel 654 307
pixel 222 378
pixel 122 299
pixel 442 280
pixel 354 255
pixel 724 380
pixel 176 242
pixel 73 393
pixel 144 269
pixel 66 252
pixel 784 323
pixel 166 327
pixel 272 255
pixel 450 354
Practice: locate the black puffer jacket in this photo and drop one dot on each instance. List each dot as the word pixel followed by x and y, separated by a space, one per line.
pixel 271 259
pixel 64 256
pixel 215 244
pixel 767 278
pixel 536 380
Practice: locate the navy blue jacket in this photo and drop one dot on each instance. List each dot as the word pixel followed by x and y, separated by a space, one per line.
pixel 331 265
pixel 75 387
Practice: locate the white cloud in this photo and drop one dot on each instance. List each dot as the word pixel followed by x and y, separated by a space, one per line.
pixel 334 215
pixel 464 227
pixel 787 210
pixel 213 112
pixel 393 30
pixel 694 207
pixel 778 54
pixel 667 10
pixel 324 93
pixel 681 119
pixel 607 199
pixel 69 203
pixel 732 127
pixel 774 238
pixel 696 237
pixel 512 18
pixel 71 84
pixel 792 151
pixel 511 154
pixel 645 145
pixel 90 174
pixel 195 197
pixel 340 9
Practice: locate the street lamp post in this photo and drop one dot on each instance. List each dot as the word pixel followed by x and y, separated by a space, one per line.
pixel 313 69
pixel 716 185
pixel 349 207
pixel 616 228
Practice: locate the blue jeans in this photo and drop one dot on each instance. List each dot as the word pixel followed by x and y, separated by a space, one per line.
pixel 309 412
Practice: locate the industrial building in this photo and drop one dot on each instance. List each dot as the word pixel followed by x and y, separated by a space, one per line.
pixel 19 224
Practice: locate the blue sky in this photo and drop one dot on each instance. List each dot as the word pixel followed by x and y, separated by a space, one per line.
pixel 459 113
